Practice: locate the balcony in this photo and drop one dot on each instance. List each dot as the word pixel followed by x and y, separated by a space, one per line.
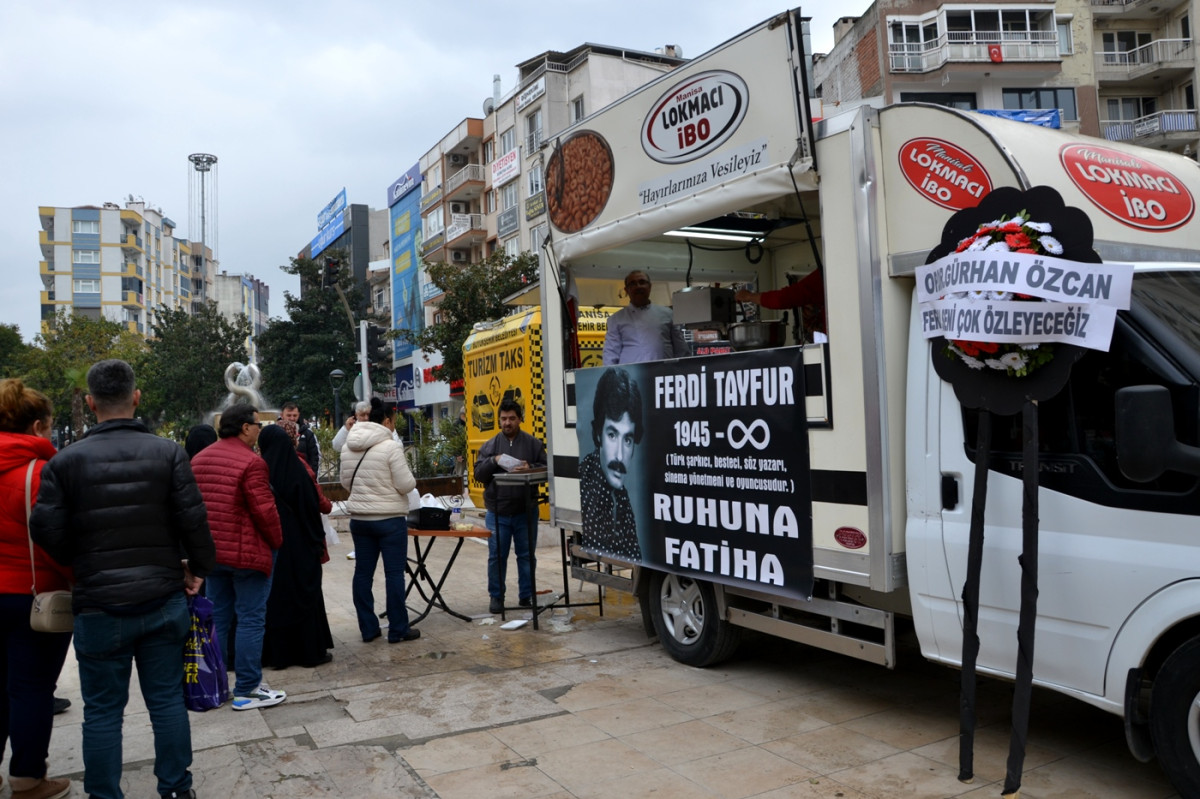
pixel 1135 9
pixel 131 243
pixel 131 219
pixel 1162 59
pixel 47 267
pixel 48 296
pixel 465 230
pixel 132 298
pixel 466 184
pixel 47 242
pixel 132 270
pixel 134 327
pixel 993 47
pixel 534 141
pixel 1164 130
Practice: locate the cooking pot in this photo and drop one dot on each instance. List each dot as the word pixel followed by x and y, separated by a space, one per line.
pixel 758 335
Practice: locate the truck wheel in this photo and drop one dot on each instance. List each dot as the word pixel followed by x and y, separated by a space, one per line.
pixel 684 614
pixel 1175 717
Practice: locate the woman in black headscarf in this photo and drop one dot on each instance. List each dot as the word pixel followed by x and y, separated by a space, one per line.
pixel 297 631
pixel 198 438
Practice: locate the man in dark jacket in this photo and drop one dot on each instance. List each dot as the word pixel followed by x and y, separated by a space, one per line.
pixel 308 447
pixel 121 508
pixel 510 450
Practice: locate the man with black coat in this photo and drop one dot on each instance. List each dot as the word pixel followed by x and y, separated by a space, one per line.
pixel 510 450
pixel 122 509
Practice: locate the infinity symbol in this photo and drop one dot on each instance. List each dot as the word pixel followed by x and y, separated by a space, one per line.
pixel 747 434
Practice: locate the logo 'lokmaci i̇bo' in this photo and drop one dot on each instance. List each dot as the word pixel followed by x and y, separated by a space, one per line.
pixel 1128 188
pixel 695 117
pixel 945 174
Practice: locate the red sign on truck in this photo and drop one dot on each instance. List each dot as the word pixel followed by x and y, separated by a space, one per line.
pixel 943 173
pixel 1130 189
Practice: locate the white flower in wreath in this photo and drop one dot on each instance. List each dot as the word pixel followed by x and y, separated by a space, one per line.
pixel 977 245
pixel 1051 245
pixel 1039 227
pixel 976 295
pixel 995 363
pixel 1013 360
pixel 974 363
pixel 1001 296
pixel 1030 346
pixel 998 246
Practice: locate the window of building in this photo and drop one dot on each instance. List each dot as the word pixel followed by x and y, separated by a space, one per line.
pixel 509 196
pixel 85 286
pixel 1042 98
pixel 512 247
pixel 433 223
pixel 537 236
pixel 508 140
pixel 1121 47
pixel 533 131
pixel 1189 97
pixel 1066 44
pixel 1130 108
pixel 577 112
pixel 435 177
pixel 535 179
pixel 489 151
pixel 379 297
pixel 963 101
pixel 86 256
pixel 490 202
pixel 85 226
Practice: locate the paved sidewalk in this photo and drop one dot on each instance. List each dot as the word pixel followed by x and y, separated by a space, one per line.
pixel 587 706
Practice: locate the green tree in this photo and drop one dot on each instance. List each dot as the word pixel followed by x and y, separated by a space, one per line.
pixel 471 293
pixel 57 364
pixel 13 351
pixel 297 354
pixel 185 366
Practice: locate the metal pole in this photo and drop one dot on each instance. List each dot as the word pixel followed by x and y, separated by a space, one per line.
pixel 366 376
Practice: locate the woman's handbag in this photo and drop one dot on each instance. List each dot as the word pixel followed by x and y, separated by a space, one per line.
pixel 205 681
pixel 51 611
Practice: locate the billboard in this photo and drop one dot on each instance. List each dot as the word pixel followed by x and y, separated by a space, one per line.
pixel 407 308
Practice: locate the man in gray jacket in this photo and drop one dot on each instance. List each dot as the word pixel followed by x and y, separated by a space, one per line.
pixel 121 507
pixel 509 450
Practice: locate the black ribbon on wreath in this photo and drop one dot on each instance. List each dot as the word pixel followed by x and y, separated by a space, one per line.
pixel 997 392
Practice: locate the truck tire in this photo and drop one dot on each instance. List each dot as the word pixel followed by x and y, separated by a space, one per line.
pixel 684 615
pixel 1175 717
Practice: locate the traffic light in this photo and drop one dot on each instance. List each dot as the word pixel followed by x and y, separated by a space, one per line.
pixel 379 348
pixel 333 268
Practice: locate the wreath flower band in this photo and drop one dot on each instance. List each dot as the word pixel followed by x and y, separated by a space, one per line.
pixel 1018 234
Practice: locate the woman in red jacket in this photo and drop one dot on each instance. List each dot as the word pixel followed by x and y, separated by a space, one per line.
pixel 30 661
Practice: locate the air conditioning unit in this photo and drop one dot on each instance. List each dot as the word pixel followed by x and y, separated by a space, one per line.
pixel 457 159
pixel 458 256
pixel 459 208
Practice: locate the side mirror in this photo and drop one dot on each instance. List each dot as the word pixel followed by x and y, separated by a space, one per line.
pixel 1145 435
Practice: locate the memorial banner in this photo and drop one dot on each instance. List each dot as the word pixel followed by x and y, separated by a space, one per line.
pixel 700 467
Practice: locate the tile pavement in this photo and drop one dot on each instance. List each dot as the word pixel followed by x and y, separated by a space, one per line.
pixel 587 707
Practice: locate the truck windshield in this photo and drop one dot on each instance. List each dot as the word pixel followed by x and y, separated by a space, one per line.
pixel 1168 300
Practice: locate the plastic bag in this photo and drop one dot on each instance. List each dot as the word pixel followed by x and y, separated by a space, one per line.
pixel 331 535
pixel 205 682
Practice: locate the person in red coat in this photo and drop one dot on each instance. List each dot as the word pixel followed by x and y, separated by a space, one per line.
pixel 245 527
pixel 807 294
pixel 30 661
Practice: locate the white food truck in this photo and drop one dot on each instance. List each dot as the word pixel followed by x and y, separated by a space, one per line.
pixel 817 491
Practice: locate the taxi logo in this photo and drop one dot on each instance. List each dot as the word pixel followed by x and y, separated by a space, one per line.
pixel 943 173
pixel 1130 189
pixel 695 117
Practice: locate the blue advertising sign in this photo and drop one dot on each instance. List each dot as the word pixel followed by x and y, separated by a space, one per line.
pixel 408 311
pixel 331 209
pixel 700 467
pixel 405 394
pixel 404 184
pixel 328 235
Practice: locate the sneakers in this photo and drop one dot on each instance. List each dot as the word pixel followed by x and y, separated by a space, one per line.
pixel 526 602
pixel 260 697
pixel 496 605
pixel 350 555
pixel 61 704
pixel 40 789
pixel 412 635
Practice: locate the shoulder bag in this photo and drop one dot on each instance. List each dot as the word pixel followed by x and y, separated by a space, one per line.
pixel 51 611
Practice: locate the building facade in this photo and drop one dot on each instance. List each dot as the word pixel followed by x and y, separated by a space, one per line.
pixel 244 295
pixel 120 264
pixel 1119 70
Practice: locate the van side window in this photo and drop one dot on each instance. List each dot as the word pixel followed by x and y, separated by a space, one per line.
pixel 1076 446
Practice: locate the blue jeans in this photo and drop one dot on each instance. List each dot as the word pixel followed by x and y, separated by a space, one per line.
pixel 244 592
pixel 389 538
pixel 508 530
pixel 29 667
pixel 105 646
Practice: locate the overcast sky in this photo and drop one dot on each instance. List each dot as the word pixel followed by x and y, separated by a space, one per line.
pixel 296 98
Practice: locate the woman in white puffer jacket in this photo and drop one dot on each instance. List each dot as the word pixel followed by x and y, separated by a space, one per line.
pixel 378 477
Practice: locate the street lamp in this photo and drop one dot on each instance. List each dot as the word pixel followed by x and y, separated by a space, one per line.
pixel 336 378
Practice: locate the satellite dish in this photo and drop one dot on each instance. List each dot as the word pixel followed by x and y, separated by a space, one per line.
pixel 489 105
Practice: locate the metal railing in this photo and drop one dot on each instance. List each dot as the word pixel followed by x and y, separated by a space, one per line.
pixel 534 140
pixel 974 46
pixel 1149 125
pixel 470 172
pixel 1159 51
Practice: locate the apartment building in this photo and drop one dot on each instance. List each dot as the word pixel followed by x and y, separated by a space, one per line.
pixel 1115 69
pixel 118 263
pixel 482 185
pixel 247 296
